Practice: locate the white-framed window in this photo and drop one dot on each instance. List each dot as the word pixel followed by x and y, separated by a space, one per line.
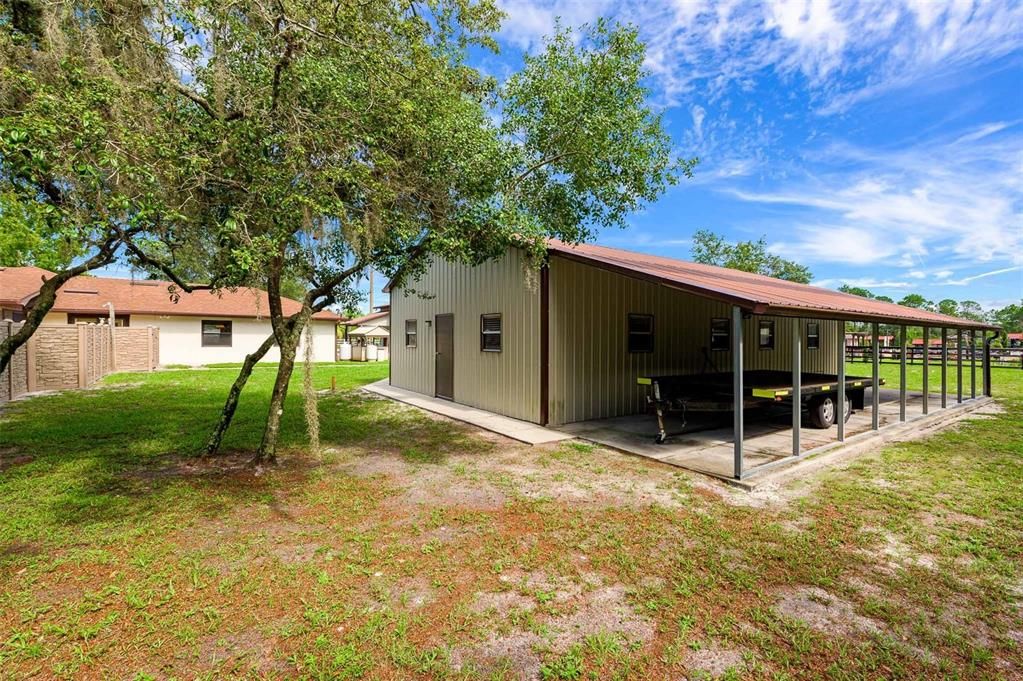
pixel 765 336
pixel 813 336
pixel 490 332
pixel 216 333
pixel 411 333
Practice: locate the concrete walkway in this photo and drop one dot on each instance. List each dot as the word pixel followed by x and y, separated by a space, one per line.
pixel 523 431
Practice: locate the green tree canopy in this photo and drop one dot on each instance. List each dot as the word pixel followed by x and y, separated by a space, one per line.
pixel 327 137
pixel 856 291
pixel 749 256
pixel 1010 317
pixel 81 141
pixel 916 300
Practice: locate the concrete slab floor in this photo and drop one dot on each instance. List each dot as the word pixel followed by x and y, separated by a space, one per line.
pixel 523 431
pixel 705 445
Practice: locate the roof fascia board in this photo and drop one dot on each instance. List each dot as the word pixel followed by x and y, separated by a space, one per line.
pixel 779 311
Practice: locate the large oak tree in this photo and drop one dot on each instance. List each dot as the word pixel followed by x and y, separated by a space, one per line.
pixel 336 136
pixel 277 141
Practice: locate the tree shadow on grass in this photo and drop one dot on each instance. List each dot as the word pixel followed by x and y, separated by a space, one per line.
pixel 108 459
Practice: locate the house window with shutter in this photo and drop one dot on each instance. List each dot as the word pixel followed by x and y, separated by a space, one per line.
pixel 765 340
pixel 641 333
pixel 216 333
pixel 720 336
pixel 813 336
pixel 490 333
pixel 411 333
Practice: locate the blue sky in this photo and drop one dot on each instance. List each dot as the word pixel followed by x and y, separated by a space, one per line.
pixel 880 143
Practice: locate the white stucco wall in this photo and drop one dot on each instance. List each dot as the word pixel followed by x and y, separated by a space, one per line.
pixel 181 339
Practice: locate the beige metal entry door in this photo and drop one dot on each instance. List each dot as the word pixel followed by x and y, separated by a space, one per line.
pixel 445 360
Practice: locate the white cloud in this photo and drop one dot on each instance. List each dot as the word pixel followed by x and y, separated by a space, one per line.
pixel 909 207
pixel 864 282
pixel 527 22
pixel 983 131
pixel 813 30
pixel 846 50
pixel 983 275
pixel 698 113
pixel 820 242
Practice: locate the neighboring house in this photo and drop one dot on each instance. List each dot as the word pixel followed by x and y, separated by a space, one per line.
pixel 860 339
pixel 370 329
pixel 199 328
pixel 569 342
pixel 1014 340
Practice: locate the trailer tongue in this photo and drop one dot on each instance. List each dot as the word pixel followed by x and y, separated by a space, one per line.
pixel 713 393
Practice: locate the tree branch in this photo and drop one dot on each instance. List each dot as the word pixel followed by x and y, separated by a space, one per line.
pixel 204 104
pixel 540 164
pixel 164 267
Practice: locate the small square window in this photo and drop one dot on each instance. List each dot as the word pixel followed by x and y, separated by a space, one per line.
pixel 720 336
pixel 411 333
pixel 641 333
pixel 813 336
pixel 216 333
pixel 765 339
pixel 490 333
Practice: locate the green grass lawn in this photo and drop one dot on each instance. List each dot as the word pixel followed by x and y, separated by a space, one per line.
pixel 1004 381
pixel 411 547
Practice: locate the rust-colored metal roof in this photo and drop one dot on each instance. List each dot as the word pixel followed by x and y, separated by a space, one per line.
pixel 87 295
pixel 755 292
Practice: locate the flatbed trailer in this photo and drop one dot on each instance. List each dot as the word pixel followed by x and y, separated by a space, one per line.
pixel 714 392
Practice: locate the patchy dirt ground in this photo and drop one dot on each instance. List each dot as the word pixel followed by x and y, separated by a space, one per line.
pixel 450 553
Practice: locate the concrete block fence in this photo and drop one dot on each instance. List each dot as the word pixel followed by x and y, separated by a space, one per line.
pixel 75 356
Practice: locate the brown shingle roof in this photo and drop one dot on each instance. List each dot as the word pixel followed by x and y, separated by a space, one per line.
pixel 754 292
pixel 18 283
pixel 365 319
pixel 87 295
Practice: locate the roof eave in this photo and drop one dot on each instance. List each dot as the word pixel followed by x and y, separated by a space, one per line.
pixel 793 311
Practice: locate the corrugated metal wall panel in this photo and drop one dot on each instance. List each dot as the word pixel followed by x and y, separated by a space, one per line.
pixel 507 382
pixel 593 375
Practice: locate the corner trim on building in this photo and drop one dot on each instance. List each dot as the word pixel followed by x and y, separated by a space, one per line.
pixel 545 344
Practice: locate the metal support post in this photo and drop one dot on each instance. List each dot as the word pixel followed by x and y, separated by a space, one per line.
pixel 927 368
pixel 986 341
pixel 797 382
pixel 959 366
pixel 944 368
pixel 973 364
pixel 840 410
pixel 737 424
pixel 902 373
pixel 875 390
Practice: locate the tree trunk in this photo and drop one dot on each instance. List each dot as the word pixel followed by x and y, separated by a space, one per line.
pixel 44 303
pixel 227 413
pixel 268 447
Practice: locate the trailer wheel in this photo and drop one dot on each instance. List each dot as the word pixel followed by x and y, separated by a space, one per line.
pixel 822 411
pixel 660 439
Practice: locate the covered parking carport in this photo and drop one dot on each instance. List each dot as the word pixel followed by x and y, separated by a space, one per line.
pixel 729 438
pixel 752 436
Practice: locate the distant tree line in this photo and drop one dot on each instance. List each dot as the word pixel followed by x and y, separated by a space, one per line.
pixel 710 248
pixel 1010 317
